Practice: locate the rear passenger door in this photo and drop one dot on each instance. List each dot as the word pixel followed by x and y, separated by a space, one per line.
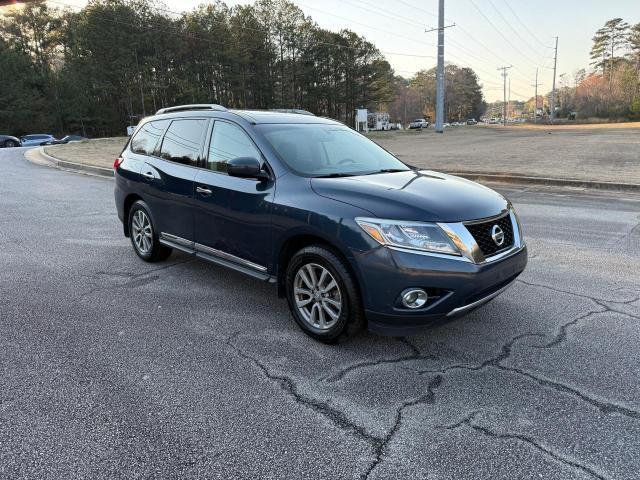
pixel 168 178
pixel 233 216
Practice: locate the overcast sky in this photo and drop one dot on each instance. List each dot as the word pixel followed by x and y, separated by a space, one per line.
pixel 488 33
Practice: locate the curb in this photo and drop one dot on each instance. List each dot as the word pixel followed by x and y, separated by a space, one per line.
pixel 547 181
pixel 73 166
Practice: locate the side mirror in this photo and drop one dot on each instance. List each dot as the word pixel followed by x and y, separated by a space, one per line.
pixel 246 167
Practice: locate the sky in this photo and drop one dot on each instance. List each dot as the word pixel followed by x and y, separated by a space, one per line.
pixel 487 34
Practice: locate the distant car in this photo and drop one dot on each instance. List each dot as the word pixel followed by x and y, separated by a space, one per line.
pixel 37 139
pixel 7 141
pixel 67 139
pixel 471 121
pixel 419 123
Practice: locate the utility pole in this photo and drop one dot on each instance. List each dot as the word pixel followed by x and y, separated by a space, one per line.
pixel 440 68
pixel 440 74
pixel 535 113
pixel 509 112
pixel 553 89
pixel 504 93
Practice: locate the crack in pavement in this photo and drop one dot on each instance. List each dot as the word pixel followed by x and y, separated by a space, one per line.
pixel 427 397
pixel 468 421
pixel 602 303
pixel 581 295
pixel 604 406
pixel 415 355
pixel 334 415
pixel 337 417
pixel 561 336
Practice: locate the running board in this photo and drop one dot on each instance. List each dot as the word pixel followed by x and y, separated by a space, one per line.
pixel 216 256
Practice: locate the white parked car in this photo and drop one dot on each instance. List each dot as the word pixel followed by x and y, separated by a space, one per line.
pixel 37 139
pixel 419 123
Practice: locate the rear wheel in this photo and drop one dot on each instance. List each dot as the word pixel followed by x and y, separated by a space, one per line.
pixel 322 295
pixel 143 236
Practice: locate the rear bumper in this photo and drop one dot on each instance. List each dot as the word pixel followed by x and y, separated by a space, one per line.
pixel 465 287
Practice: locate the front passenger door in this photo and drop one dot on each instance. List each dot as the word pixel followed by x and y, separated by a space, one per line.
pixel 233 215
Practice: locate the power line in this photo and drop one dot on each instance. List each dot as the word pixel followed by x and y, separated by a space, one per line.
pixel 524 25
pixel 359 23
pixel 511 27
pixel 500 32
pixel 413 24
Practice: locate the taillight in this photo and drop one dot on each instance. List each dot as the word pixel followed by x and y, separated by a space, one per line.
pixel 117 162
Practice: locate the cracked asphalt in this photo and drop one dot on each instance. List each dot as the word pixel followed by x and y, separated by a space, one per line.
pixel 113 368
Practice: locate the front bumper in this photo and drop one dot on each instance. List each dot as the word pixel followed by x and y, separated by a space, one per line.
pixel 464 285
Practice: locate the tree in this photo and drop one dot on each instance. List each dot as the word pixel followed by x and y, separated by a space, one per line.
pixel 607 40
pixel 634 45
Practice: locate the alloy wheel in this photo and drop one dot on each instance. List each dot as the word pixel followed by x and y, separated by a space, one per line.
pixel 317 296
pixel 142 232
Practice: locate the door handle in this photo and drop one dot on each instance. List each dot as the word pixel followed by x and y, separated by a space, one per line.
pixel 148 175
pixel 203 191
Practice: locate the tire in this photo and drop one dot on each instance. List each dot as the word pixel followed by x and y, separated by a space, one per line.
pixel 147 246
pixel 315 310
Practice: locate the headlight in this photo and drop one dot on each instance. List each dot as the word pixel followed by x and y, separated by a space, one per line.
pixel 427 237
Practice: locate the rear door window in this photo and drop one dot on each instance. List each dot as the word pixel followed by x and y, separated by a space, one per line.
pixel 182 141
pixel 229 142
pixel 146 139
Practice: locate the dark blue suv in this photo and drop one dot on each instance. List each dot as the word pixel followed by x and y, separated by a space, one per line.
pixel 349 234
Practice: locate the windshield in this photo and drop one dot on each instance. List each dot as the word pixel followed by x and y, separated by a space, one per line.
pixel 328 150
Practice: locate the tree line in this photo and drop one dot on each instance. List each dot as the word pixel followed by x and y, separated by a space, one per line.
pixel 96 70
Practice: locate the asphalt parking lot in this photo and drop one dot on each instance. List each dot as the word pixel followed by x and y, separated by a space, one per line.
pixel 110 367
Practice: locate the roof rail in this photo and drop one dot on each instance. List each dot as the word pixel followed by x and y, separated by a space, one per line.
pixel 292 110
pixel 199 106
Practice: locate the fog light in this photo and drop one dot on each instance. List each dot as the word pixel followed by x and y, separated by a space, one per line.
pixel 414 298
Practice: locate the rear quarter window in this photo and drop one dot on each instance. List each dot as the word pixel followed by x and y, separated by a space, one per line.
pixel 146 139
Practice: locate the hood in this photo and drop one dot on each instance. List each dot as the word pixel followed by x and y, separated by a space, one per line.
pixel 414 195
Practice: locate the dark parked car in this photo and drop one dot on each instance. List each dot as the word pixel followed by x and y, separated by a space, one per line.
pixel 348 233
pixel 67 139
pixel 7 141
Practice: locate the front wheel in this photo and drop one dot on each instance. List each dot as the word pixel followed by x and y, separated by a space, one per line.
pixel 143 236
pixel 322 295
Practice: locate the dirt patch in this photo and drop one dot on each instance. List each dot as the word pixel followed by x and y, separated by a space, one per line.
pixel 595 153
pixel 99 152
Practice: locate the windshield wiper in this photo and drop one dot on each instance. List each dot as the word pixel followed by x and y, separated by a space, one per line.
pixel 389 170
pixel 335 175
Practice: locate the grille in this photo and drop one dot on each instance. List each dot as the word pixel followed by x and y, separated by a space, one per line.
pixel 482 235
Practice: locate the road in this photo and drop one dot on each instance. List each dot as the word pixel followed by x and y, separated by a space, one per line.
pixel 110 367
